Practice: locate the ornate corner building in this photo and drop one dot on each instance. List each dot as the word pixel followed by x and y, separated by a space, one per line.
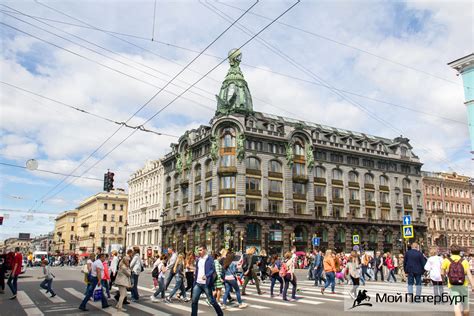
pixel 448 204
pixel 257 179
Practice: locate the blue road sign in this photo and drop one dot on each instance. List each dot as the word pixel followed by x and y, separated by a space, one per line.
pixel 406 220
pixel 408 231
pixel 316 241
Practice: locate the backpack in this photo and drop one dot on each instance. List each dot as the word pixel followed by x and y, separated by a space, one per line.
pixel 456 275
pixel 283 270
pixel 154 273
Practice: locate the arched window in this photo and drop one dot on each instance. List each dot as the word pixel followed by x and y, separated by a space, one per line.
pixel 276 233
pixel 336 174
pixel 383 180
pixel 299 148
pixel 274 166
pixel 254 231
pixel 406 183
pixel 388 237
pixel 403 151
pixel 252 163
pixel 301 234
pixel 197 170
pixel 353 176
pixel 197 235
pixel 369 178
pixel 228 137
pixel 372 236
pixel 320 172
pixel 341 235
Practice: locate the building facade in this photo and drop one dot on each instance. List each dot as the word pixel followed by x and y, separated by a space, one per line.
pixel 257 179
pixel 145 209
pixel 65 232
pixel 101 222
pixel 448 204
pixel 43 243
pixel 11 243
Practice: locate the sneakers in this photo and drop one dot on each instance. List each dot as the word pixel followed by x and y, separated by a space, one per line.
pixel 53 295
pixel 13 297
pixel 223 307
pixel 322 290
pixel 243 305
pixel 292 300
pixel 186 300
pixel 167 300
pixel 154 299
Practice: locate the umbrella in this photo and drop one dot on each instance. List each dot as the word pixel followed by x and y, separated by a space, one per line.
pixel 300 253
pixel 85 254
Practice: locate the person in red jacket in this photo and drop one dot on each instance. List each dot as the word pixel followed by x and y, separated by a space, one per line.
pixel 16 270
pixel 390 267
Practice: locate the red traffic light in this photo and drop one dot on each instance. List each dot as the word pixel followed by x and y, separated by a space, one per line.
pixel 1 220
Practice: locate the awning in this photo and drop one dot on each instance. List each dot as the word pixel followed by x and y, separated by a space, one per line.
pixel 85 254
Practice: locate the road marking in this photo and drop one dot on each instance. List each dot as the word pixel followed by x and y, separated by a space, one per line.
pixel 98 305
pixel 27 304
pixel 55 299
pixel 229 309
pixel 147 309
pixel 60 309
pixel 305 299
pixel 267 302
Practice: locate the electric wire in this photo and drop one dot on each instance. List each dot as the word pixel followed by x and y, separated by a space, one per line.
pixel 49 171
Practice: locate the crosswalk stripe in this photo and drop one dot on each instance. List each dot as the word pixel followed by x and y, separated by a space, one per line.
pixel 148 310
pixel 311 296
pixel 230 309
pixel 27 304
pixel 110 310
pixel 55 299
pixel 267 302
pixel 304 299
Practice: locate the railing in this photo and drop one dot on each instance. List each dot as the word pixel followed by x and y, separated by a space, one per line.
pixel 354 202
pixel 385 205
pixel 370 203
pixel 299 196
pixel 337 182
pixel 185 201
pixel 353 184
pixel 224 212
pixel 255 172
pixel 197 178
pixel 319 180
pixel 275 194
pixel 227 170
pixel 369 186
pixel 253 192
pixel 406 190
pixel 300 178
pixel 208 194
pixel 320 199
pixel 272 174
pixel 208 174
pixel 338 200
pixel 384 188
pixel 226 191
pixel 197 197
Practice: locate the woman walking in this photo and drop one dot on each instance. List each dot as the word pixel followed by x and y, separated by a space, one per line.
pixel 390 267
pixel 161 268
pixel 190 268
pixel 122 280
pixel 433 265
pixel 401 272
pixel 106 280
pixel 230 280
pixel 353 270
pixel 155 272
pixel 289 276
pixel 178 270
pixel 330 270
pixel 275 266
pixel 263 265
pixel 218 282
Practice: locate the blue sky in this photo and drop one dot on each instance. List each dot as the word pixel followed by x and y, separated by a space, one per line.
pixel 335 40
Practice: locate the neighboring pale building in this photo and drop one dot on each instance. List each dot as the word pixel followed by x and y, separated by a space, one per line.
pixel 101 222
pixel 65 232
pixel 12 243
pixel 448 204
pixel 145 209
pixel 43 243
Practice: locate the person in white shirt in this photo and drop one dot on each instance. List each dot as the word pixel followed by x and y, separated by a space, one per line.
pixel 136 267
pixel 433 265
pixel 96 274
pixel 113 267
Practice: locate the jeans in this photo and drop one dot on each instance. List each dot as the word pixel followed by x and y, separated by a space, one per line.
pixel 189 281
pixel 438 288
pixel 391 273
pixel 290 278
pixel 229 285
pixel 90 293
pixel 276 277
pixel 248 277
pixel 317 273
pixel 46 284
pixel 168 279
pixel 161 288
pixel 364 273
pixel 105 285
pixel 12 284
pixel 135 295
pixel 198 289
pixel 414 278
pixel 377 270
pixel 330 280
pixel 179 285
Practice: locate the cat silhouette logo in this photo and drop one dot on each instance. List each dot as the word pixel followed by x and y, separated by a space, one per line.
pixel 361 296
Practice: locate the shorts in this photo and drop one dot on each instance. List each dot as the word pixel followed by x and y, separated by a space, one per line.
pixel 463 291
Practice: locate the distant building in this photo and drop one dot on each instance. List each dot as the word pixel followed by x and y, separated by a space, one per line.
pixel 11 243
pixel 65 232
pixel 43 243
pixel 101 222
pixel 145 208
pixel 448 204
pixel 258 179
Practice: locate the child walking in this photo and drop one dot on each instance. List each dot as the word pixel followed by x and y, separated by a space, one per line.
pixel 48 278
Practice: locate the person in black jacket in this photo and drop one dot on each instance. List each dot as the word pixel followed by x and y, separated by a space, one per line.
pixel 414 267
pixel 378 265
pixel 2 273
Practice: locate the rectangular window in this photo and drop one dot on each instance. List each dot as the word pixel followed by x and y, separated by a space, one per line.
pixel 320 155
pixel 384 197
pixel 105 206
pixel 156 236
pixel 274 206
pixel 121 207
pixel 133 238
pixel 72 228
pixel 104 217
pixel 354 194
pixel 276 234
pixel 275 186
pixel 228 203
pixel 197 207
pixel 368 163
pixel 299 208
pixel 252 184
pixel 149 237
pixel 120 218
pixel 228 161
pixel 252 206
pixel 337 193
pixel 139 238
pixel 197 189
pixel 353 161
pixel 299 188
pixel 208 205
pixel 299 169
pixel 185 191
pixel 113 207
pixel 319 191
pixel 111 230
pixel 337 211
pixel 406 199
pixel 112 218
pixel 104 229
pixel 228 182
pixel 337 158
pixel 369 196
pixel 209 186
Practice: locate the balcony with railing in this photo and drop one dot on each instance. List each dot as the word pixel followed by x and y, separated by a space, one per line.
pixel 272 174
pixel 227 170
pixel 353 184
pixel 319 180
pixel 337 182
pixel 255 172
pixel 275 194
pixel 299 196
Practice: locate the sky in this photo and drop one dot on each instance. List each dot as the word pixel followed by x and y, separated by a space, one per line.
pixel 377 67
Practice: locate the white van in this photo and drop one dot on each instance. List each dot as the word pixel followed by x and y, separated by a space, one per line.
pixel 37 256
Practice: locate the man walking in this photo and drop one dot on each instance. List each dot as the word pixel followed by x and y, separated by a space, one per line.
pixel 136 267
pixel 459 276
pixel 414 267
pixel 318 268
pixel 249 266
pixel 169 267
pixel 378 265
pixel 16 270
pixel 96 274
pixel 203 281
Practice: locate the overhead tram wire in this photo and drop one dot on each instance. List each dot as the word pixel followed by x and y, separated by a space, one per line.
pixel 153 97
pixel 304 69
pixel 153 27
pixel 139 127
pixel 218 57
pixel 196 82
pixel 49 171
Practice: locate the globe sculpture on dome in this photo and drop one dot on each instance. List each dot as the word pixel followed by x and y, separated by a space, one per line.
pixel 234 96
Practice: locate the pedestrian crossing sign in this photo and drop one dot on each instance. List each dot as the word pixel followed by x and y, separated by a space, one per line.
pixel 355 239
pixel 408 231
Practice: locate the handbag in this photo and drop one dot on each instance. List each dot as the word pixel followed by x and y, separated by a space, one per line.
pixel 98 294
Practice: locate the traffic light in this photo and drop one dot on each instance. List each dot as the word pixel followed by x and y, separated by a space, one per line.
pixel 108 181
pixel 1 220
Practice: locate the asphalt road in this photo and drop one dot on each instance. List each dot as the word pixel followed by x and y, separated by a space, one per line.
pixel 69 286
